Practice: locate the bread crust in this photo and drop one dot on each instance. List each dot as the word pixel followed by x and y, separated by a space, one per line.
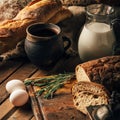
pixel 62 14
pixel 89 93
pixel 12 32
pixel 41 10
pixel 105 71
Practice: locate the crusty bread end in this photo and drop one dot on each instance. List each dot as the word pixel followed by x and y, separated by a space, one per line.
pixel 81 74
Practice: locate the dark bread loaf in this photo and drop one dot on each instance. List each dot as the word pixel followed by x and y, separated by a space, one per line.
pixel 89 93
pixel 105 71
pixel 109 2
pixel 77 2
pixel 87 2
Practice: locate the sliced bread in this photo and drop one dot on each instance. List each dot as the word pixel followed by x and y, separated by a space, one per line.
pixel 89 93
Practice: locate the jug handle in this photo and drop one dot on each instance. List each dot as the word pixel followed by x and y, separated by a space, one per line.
pixel 66 39
pixel 115 23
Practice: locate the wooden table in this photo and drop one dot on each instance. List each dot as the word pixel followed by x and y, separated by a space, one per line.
pixel 22 69
pixel 14 70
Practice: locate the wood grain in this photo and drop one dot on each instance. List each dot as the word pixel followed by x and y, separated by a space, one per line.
pixel 8 71
pixel 60 107
pixel 22 70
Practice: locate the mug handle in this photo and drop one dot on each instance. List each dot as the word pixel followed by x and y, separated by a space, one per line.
pixel 66 39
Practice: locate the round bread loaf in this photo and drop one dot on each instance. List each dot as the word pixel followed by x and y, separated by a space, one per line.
pixel 105 71
pixel 89 93
pixel 87 2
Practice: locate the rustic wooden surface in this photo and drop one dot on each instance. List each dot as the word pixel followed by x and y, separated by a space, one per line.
pixel 8 71
pixel 23 69
pixel 60 107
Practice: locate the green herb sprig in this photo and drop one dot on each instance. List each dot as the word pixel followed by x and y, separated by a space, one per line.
pixel 49 84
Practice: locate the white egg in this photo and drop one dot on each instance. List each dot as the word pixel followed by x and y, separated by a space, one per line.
pixel 19 97
pixel 14 85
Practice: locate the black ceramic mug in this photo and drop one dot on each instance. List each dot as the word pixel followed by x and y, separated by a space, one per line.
pixel 44 44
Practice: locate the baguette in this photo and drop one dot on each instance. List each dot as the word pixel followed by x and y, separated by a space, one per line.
pixel 39 10
pixel 61 15
pixel 89 93
pixel 105 71
pixel 13 31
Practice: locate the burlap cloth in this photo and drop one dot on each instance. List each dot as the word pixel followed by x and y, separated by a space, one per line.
pixel 71 28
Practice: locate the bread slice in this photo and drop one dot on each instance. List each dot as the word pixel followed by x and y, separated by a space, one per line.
pixel 105 71
pixel 89 93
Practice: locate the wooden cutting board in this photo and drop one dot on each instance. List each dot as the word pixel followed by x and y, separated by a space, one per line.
pixel 60 107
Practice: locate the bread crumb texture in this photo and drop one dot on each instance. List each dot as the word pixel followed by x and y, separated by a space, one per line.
pixel 89 93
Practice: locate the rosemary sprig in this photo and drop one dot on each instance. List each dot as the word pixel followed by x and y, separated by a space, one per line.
pixel 49 84
pixel 30 81
pixel 52 90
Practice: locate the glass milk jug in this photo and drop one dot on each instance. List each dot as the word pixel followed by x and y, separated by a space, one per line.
pixel 97 37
